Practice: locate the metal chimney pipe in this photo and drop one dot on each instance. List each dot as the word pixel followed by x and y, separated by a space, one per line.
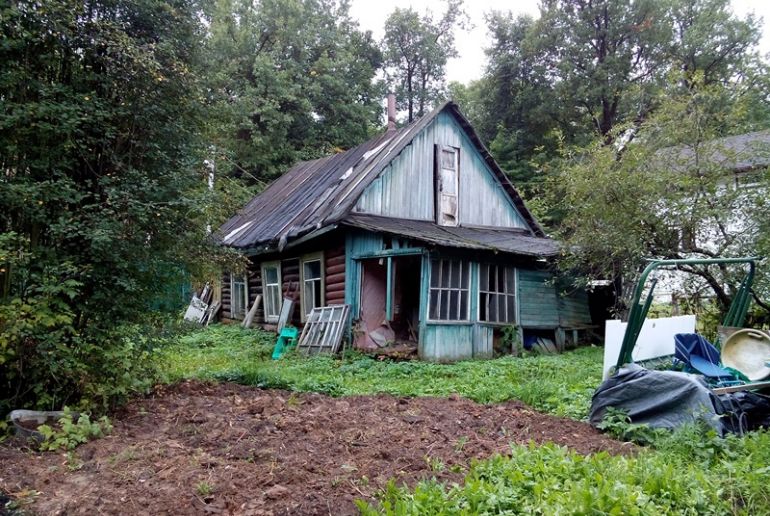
pixel 391 112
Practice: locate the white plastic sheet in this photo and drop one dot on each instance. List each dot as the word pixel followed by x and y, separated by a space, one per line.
pixel 655 340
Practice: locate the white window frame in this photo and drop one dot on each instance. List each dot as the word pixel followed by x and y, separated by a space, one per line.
pixel 266 299
pixel 440 220
pixel 511 318
pixel 313 257
pixel 441 290
pixel 245 300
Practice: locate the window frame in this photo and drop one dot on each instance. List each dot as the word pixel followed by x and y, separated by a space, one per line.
pixel 515 273
pixel 468 265
pixel 308 258
pixel 438 182
pixel 264 266
pixel 245 300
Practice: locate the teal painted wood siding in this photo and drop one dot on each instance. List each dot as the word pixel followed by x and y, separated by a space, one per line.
pixel 405 189
pixel 356 243
pixel 446 342
pixel 573 309
pixel 538 302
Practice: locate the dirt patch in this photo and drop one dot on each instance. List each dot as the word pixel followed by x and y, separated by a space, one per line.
pixel 198 448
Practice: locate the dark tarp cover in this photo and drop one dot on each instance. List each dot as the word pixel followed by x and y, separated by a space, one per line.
pixel 660 399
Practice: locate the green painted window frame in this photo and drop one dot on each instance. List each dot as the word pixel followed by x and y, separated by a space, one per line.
pixel 508 293
pixel 446 290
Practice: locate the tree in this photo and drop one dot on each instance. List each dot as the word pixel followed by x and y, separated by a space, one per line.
pixel 99 190
pixel 670 194
pixel 523 119
pixel 416 49
pixel 287 80
pixel 588 68
pixel 708 39
pixel 605 56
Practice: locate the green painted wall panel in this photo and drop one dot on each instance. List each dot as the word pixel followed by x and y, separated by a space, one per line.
pixel 573 309
pixel 447 342
pixel 538 302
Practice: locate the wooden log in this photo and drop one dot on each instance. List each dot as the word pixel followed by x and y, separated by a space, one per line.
pixel 335 278
pixel 335 298
pixel 335 269
pixel 335 260
pixel 335 287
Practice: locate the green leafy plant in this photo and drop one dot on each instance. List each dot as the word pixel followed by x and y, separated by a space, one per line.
pixel 617 423
pixel 67 434
pixel 512 339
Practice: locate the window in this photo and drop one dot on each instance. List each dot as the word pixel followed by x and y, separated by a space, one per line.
pixel 447 175
pixel 497 293
pixel 312 283
pixel 271 290
pixel 448 290
pixel 239 296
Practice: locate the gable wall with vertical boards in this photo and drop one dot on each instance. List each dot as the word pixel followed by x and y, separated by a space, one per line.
pixel 405 189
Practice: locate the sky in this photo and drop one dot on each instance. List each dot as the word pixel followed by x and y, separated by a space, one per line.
pixel 371 15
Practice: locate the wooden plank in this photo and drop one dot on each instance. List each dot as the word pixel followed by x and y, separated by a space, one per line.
pixel 738 388
pixel 252 312
pixel 287 307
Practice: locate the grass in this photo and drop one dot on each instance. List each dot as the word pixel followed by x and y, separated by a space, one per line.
pixel 560 385
pixel 691 471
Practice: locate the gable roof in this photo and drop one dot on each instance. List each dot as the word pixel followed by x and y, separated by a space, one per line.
pixel 322 192
pixel 739 153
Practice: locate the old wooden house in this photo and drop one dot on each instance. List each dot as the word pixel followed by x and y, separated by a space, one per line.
pixel 419 231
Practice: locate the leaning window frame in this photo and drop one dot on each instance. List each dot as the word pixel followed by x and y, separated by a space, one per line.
pixel 266 265
pixel 311 257
pixel 245 300
pixel 468 288
pixel 513 294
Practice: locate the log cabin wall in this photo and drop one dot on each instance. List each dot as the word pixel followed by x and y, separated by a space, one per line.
pixel 334 275
pixel 255 288
pixel 333 249
pixel 226 297
pixel 290 287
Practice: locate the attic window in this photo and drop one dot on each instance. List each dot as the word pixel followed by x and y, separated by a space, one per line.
pixel 447 172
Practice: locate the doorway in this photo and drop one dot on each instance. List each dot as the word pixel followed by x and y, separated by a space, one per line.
pixel 389 302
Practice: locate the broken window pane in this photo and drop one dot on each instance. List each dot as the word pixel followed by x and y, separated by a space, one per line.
pixel 448 300
pixel 497 288
pixel 435 271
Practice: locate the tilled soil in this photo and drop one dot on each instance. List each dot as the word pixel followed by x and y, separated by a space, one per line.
pixel 196 448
